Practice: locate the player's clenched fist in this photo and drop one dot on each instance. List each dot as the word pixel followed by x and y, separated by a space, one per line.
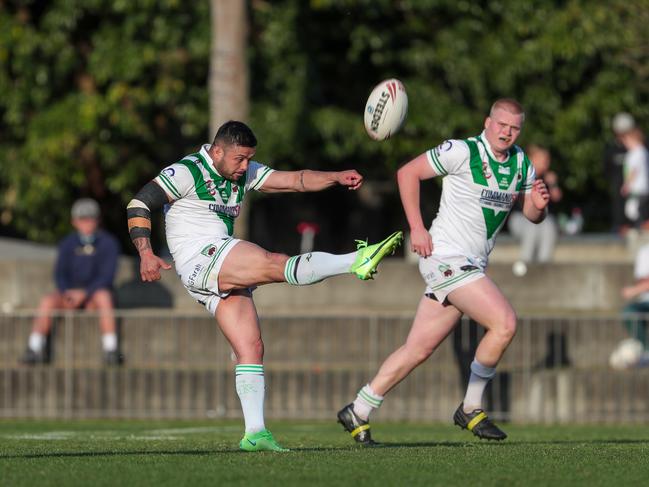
pixel 352 179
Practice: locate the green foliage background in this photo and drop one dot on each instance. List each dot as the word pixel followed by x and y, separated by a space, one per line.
pixel 98 95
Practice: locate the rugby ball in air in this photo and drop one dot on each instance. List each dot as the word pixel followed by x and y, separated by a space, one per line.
pixel 386 109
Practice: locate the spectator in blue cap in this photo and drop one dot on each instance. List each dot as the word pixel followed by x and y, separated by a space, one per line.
pixel 85 268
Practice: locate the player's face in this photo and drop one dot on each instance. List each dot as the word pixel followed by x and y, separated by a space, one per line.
pixel 502 129
pixel 85 226
pixel 232 161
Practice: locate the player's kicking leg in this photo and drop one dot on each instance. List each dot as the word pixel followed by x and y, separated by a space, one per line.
pixel 313 267
pixel 249 265
pixel 433 322
pixel 237 318
pixel 484 303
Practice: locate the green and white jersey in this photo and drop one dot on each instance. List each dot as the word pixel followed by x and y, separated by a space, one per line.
pixel 203 203
pixel 478 192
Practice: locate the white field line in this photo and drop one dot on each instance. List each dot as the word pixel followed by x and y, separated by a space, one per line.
pixel 155 434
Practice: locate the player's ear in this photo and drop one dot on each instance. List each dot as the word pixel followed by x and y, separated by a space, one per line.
pixel 217 152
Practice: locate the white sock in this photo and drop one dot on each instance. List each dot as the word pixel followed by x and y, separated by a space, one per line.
pixel 366 401
pixel 36 342
pixel 109 342
pixel 305 269
pixel 480 377
pixel 249 380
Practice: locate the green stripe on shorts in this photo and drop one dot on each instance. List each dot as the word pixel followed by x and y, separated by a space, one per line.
pixel 455 279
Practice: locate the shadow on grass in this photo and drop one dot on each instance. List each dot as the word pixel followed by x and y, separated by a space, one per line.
pixel 387 445
pixel 479 443
pixel 380 446
pixel 581 442
pixel 513 443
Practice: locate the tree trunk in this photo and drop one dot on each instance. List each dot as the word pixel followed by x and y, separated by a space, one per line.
pixel 228 81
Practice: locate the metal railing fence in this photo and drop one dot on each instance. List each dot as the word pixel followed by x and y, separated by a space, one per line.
pixel 180 366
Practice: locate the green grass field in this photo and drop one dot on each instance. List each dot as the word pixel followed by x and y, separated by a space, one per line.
pixel 142 453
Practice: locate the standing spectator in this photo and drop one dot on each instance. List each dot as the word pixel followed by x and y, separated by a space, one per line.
pixel 614 169
pixel 538 240
pixel 635 187
pixel 85 268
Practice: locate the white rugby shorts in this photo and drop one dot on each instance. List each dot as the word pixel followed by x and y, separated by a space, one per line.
pixel 445 273
pixel 199 270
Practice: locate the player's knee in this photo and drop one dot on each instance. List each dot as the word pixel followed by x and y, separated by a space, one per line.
pixel 250 351
pixel 507 328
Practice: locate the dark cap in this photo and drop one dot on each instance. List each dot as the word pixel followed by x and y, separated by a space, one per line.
pixel 85 208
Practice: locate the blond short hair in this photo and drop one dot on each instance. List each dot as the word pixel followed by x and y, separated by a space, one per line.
pixel 509 105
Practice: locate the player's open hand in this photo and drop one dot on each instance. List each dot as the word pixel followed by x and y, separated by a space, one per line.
pixel 540 195
pixel 150 265
pixel 421 242
pixel 352 179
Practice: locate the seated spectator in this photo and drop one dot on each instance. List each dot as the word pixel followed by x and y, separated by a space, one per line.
pixel 537 240
pixel 85 268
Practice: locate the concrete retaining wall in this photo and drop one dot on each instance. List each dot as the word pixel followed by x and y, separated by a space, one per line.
pixel 583 286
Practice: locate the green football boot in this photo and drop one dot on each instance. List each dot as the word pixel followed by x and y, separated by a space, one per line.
pixel 261 441
pixel 369 256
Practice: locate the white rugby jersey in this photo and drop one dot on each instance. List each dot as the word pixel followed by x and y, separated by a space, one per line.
pixel 636 161
pixel 203 203
pixel 478 192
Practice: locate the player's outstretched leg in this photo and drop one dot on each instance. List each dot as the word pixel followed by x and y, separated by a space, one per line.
pixel 369 256
pixel 478 423
pixel 359 429
pixel 306 269
pixel 260 441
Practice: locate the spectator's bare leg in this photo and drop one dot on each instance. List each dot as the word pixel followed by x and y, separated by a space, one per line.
pixel 43 321
pixel 102 301
pixel 41 326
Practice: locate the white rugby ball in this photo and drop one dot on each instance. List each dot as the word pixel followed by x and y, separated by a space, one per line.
pixel 386 109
